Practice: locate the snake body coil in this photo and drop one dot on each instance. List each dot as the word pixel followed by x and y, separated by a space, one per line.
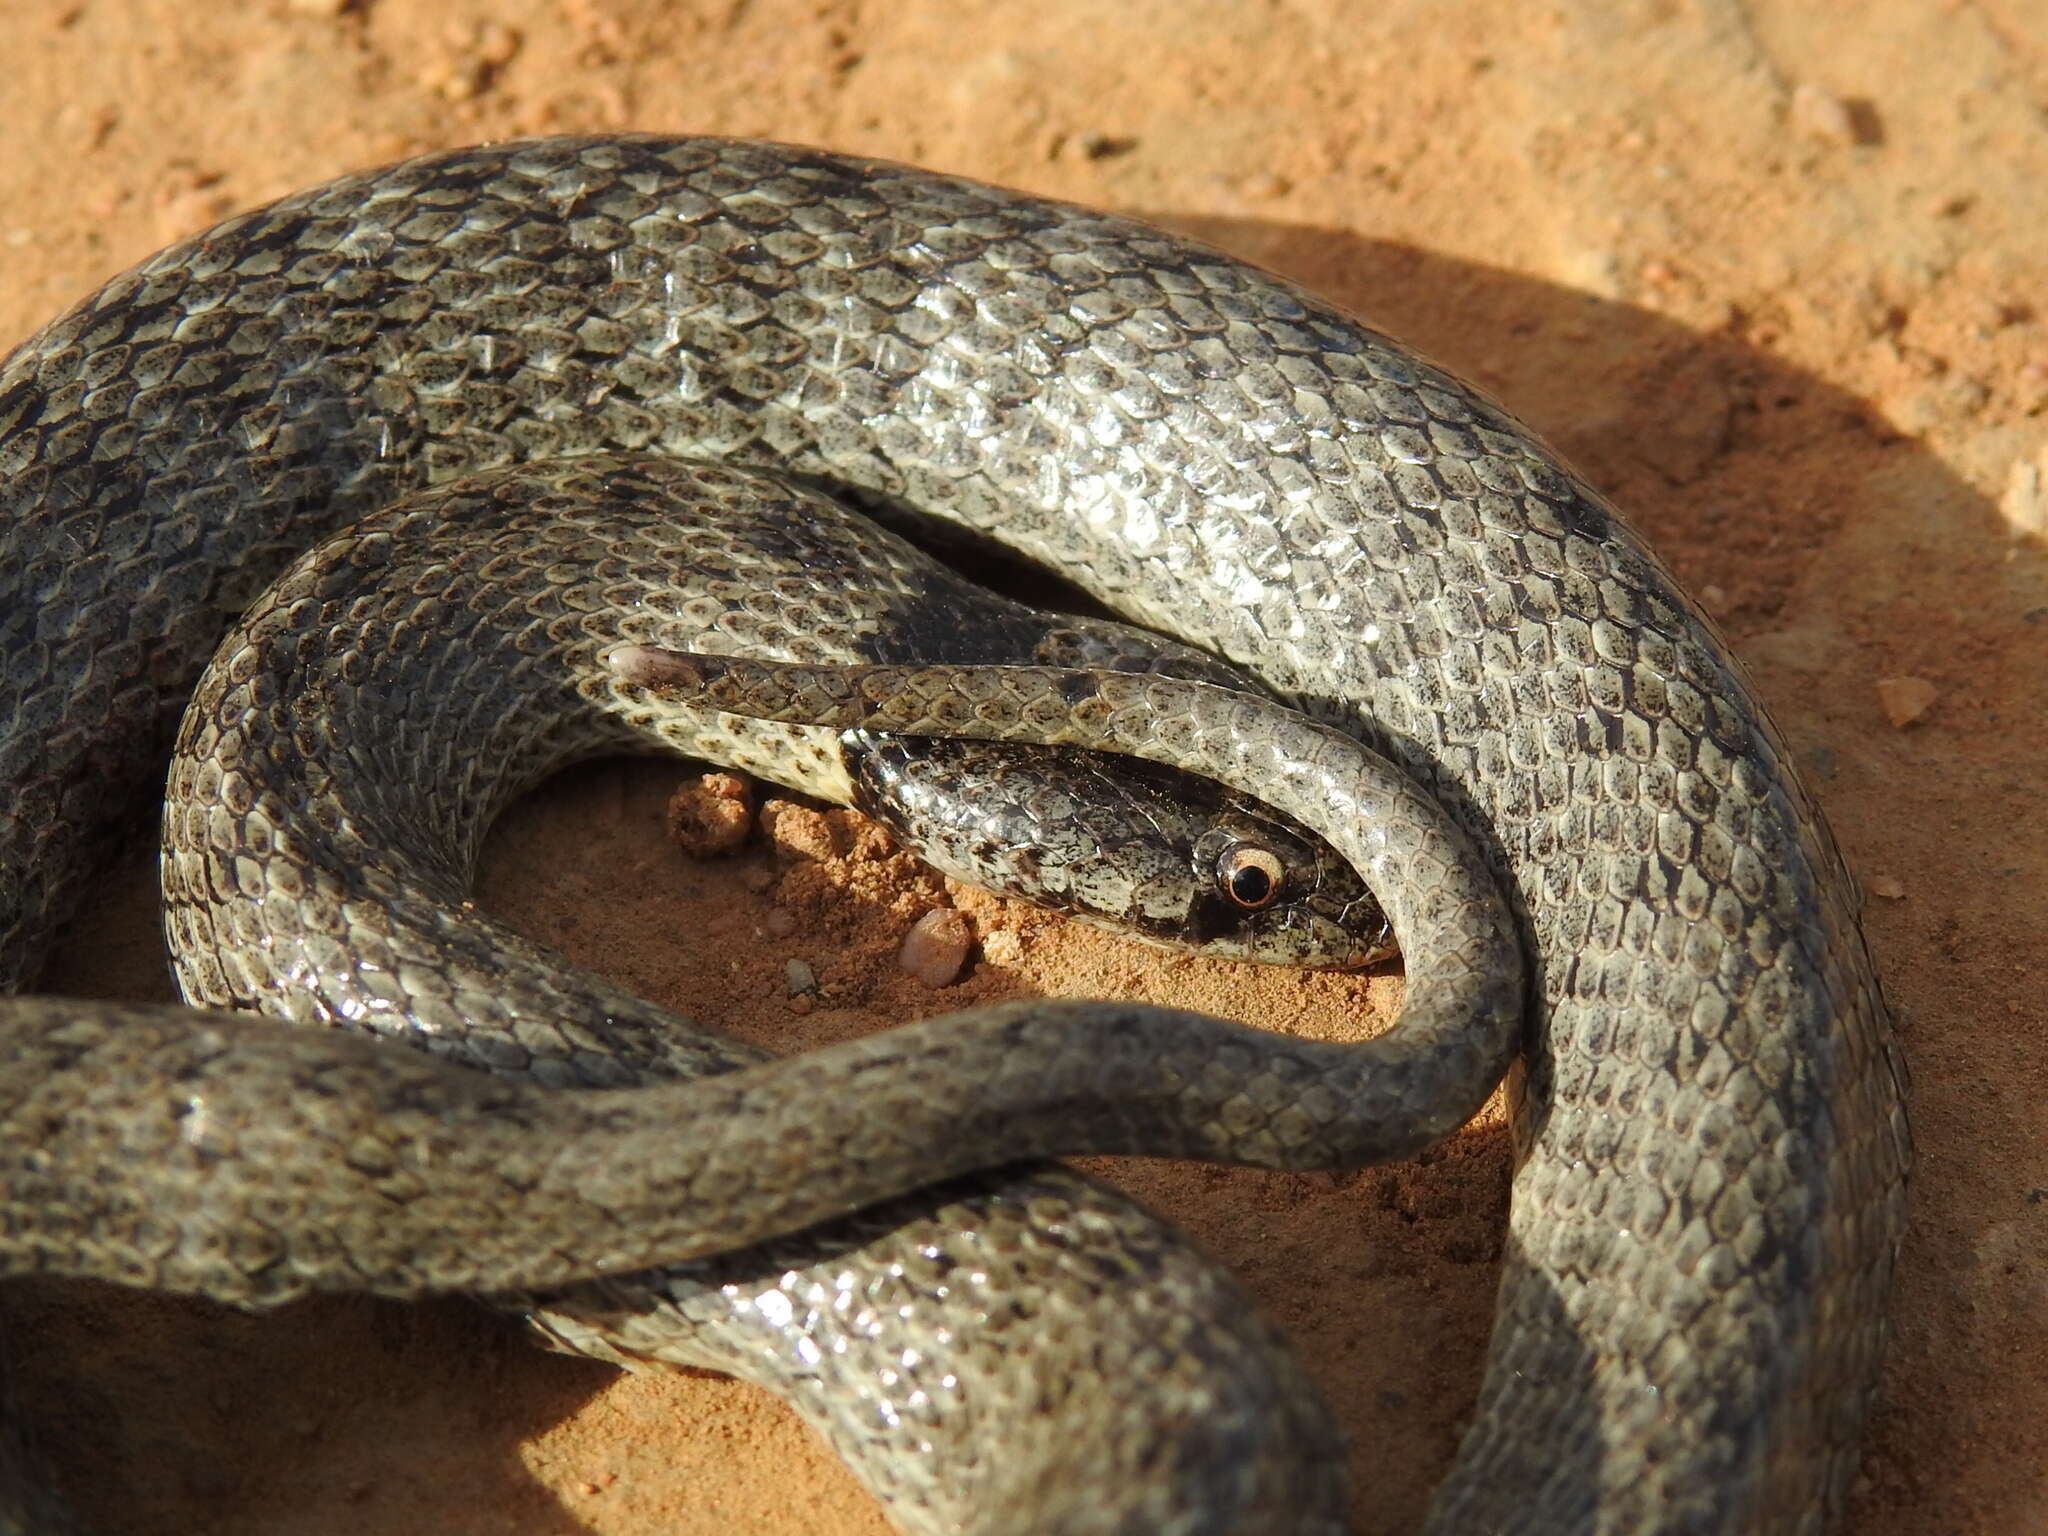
pixel 1712 1134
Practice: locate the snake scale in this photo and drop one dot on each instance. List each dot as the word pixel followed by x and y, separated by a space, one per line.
pixel 1710 1126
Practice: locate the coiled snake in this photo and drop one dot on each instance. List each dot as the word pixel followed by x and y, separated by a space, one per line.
pixel 1711 1129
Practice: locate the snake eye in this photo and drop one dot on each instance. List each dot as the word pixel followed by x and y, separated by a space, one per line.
pixel 1250 876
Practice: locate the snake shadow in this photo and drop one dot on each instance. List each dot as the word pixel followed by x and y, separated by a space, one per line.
pixel 375 1417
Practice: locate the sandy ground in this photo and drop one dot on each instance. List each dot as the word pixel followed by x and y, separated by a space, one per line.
pixel 1771 274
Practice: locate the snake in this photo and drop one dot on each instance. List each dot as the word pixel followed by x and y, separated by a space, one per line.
pixel 1711 1141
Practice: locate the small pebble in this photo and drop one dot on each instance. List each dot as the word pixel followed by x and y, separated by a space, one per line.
pixel 496 44
pixel 801 979
pixel 936 947
pixel 1106 146
pixel 797 831
pixel 780 923
pixel 1002 946
pixel 1905 699
pixel 1266 186
pixel 456 79
pixel 2031 386
pixel 711 815
pixel 1822 115
pixel 2025 500
pixel 1890 887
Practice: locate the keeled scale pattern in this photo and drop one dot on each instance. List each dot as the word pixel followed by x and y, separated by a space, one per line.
pixel 1712 1192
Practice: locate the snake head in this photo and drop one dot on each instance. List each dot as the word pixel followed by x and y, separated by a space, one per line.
pixel 1124 844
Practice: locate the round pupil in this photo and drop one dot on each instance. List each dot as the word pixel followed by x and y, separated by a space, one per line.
pixel 1250 884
